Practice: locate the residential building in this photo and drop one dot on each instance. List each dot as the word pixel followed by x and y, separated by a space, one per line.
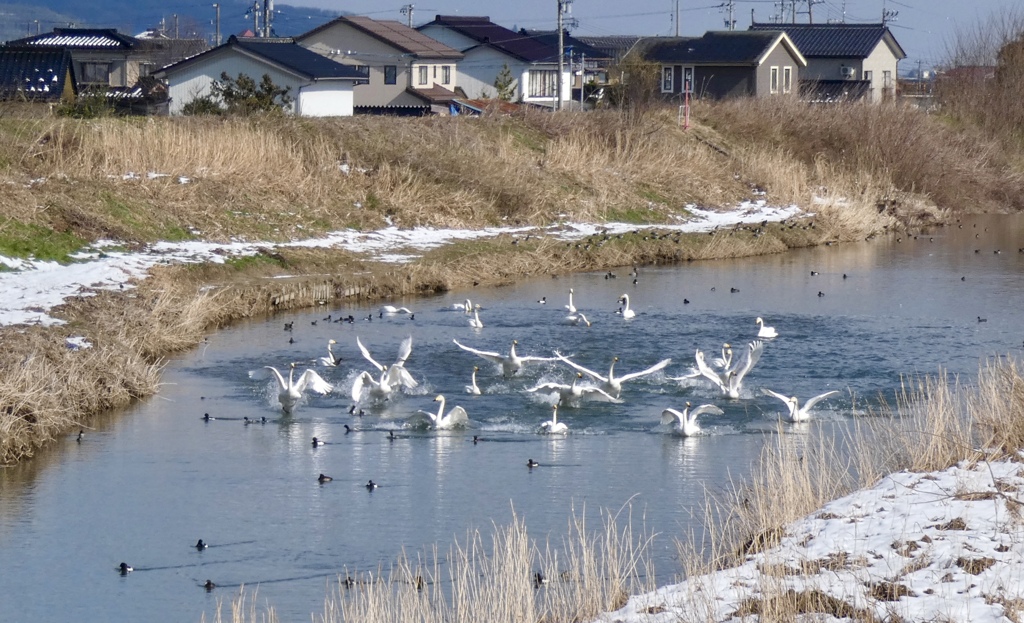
pixel 36 74
pixel 105 59
pixel 407 72
pixel 726 64
pixel 845 60
pixel 318 86
pixel 490 49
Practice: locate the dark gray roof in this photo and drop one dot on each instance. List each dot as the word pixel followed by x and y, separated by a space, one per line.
pixel 613 46
pixel 836 40
pixel 485 32
pixel 81 38
pixel 284 53
pixel 34 73
pixel 714 48
pixel 396 34
pixel 550 39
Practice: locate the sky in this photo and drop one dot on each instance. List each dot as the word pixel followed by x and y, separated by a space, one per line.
pixel 923 27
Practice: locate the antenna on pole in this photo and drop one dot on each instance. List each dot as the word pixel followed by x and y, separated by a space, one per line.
pixel 730 6
pixel 407 11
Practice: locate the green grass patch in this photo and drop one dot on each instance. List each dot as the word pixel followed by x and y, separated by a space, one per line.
pixel 25 241
pixel 653 195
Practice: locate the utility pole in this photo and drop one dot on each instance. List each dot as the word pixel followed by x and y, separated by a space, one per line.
pixel 676 20
pixel 216 22
pixel 407 11
pixel 583 77
pixel 730 6
pixel 175 25
pixel 268 17
pixel 810 10
pixel 255 18
pixel 564 6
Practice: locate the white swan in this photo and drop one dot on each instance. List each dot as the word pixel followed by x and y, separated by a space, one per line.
pixel 685 423
pixel 290 391
pixel 573 393
pixel 441 420
pixel 731 379
pixel 510 364
pixel 391 309
pixel 331 360
pixel 796 412
pixel 626 311
pixel 577 319
pixel 465 307
pixel 764 331
pixel 553 426
pixel 396 372
pixel 726 359
pixel 475 321
pixel 473 388
pixel 612 384
pixel 570 306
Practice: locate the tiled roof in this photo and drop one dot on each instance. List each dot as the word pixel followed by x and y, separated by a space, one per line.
pixel 485 32
pixel 612 45
pixel 396 34
pixel 283 52
pixel 836 40
pixel 81 38
pixel 578 46
pixel 33 73
pixel 716 48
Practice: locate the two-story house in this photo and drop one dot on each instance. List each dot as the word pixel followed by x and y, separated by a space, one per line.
pixel 845 61
pixel 489 49
pixel 407 72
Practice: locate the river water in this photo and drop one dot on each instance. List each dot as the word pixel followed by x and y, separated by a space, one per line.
pixel 144 486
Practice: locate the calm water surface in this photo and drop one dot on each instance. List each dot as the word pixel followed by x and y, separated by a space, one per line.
pixel 143 487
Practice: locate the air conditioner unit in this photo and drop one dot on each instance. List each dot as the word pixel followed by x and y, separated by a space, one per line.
pixel 848 72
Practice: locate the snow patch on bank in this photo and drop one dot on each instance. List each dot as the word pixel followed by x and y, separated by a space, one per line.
pixel 942 546
pixel 32 288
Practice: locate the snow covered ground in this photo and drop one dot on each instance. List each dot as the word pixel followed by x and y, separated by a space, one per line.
pixel 944 546
pixel 32 288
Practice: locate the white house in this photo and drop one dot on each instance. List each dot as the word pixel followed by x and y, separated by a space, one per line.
pixel 489 47
pixel 319 87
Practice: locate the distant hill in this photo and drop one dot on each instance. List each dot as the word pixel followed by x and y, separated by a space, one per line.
pixel 136 16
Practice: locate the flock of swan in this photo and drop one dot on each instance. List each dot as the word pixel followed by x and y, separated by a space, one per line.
pixel 385 382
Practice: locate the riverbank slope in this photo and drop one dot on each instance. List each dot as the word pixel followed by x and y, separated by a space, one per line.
pixel 269 182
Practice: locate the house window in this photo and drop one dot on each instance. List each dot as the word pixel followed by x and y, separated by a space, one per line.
pixel 435 72
pixel 423 74
pixel 774 86
pixel 390 74
pixel 787 79
pixel 146 69
pixel 543 83
pixel 667 73
pixel 868 75
pixel 887 79
pixel 446 74
pixel 96 72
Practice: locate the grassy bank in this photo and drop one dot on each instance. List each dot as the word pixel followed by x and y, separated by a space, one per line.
pixel 68 182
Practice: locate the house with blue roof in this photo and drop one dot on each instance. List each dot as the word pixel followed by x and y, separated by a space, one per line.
pixel 725 64
pixel 845 61
pixel 319 86
pixel 488 47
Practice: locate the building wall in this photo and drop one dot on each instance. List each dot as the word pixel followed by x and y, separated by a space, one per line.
pixel 449 37
pixel 881 60
pixel 723 82
pixel 831 69
pixel 781 58
pixel 326 99
pixel 192 81
pixel 351 46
